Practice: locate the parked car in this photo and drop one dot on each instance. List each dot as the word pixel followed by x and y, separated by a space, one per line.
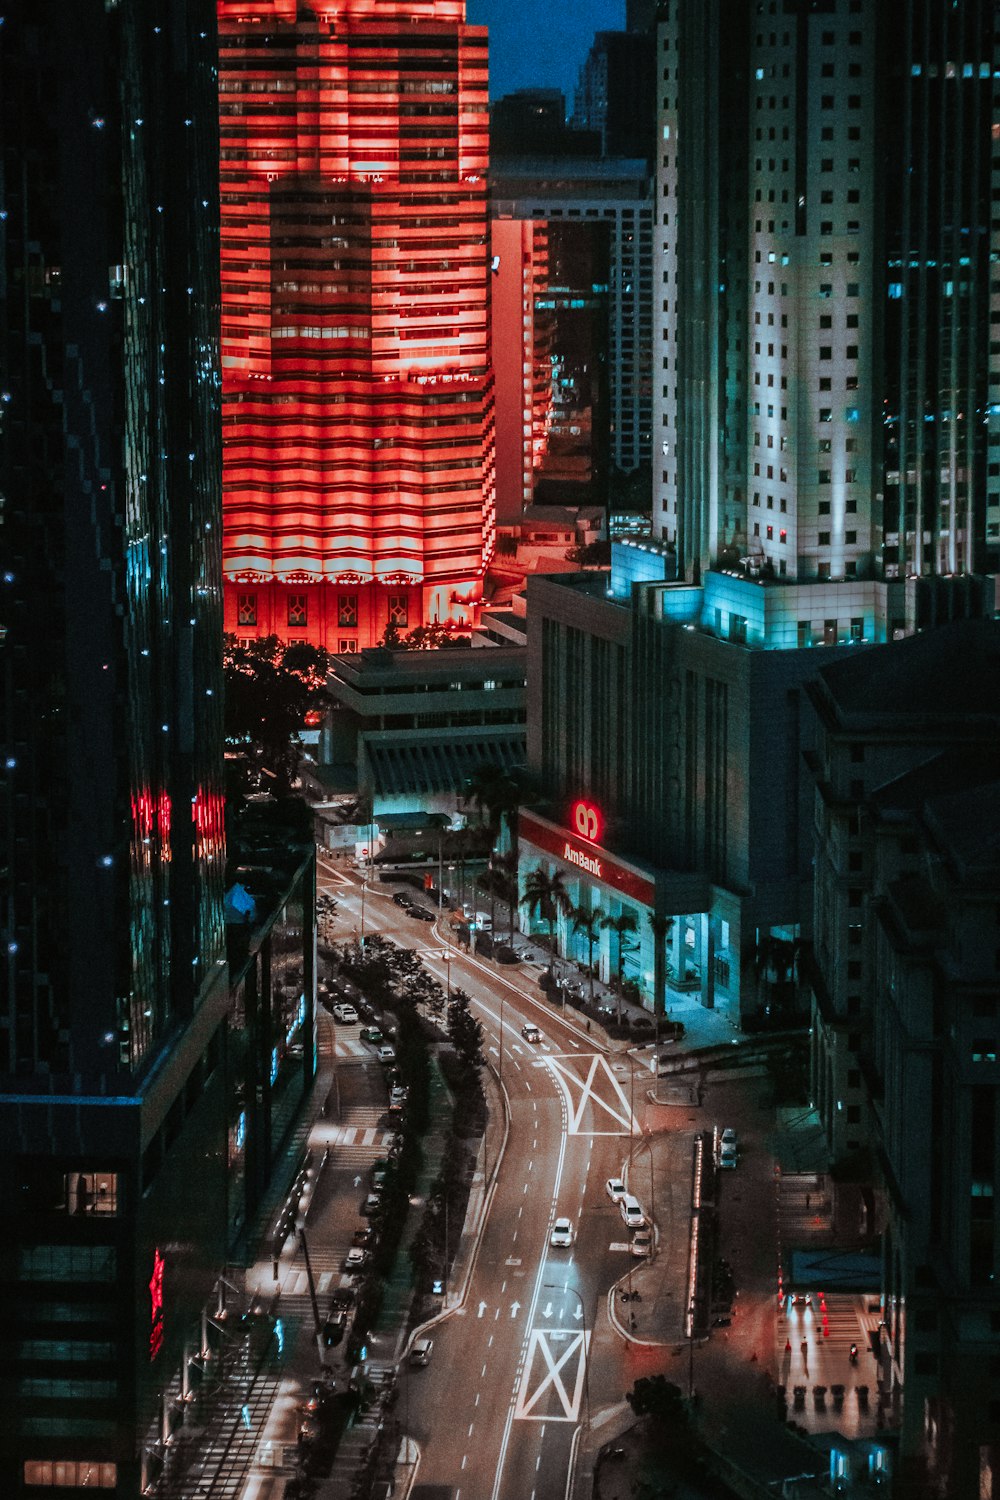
pixel 421 913
pixel 379 1175
pixel 345 1014
pixel 364 1236
pixel 561 1236
pixel 642 1243
pixel 631 1211
pixel 371 1205
pixel 334 1328
pixel 729 1138
pixel 371 1034
pixel 355 1260
pixel 420 1354
pixel 385 1053
pixel 728 1158
pixel 531 1033
pixel 402 898
pixel 615 1189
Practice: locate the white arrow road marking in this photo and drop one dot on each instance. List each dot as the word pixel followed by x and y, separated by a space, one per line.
pixel 578 1313
pixel 528 1398
pixel 568 1080
pixel 547 1310
pixel 515 1308
pixel 482 1309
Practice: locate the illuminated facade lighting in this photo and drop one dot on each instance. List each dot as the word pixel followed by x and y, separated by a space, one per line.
pixel 357 391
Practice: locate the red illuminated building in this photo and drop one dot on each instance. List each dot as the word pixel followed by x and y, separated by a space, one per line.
pixel 357 391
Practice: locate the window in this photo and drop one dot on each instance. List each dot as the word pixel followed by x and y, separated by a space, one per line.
pixel 348 645
pixel 67 1263
pixel 347 611
pixel 70 1474
pixel 399 612
pixel 298 612
pixel 91 1192
pixel 246 609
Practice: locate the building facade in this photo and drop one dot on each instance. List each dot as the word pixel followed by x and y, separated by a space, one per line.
pixel 357 392
pixel 613 196
pixel 124 1123
pixel 825 374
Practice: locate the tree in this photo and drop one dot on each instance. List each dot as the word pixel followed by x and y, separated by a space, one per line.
pixel 271 688
pixel 503 877
pixel 621 925
pixel 587 920
pixel 547 895
pixel 464 1032
pixel 661 928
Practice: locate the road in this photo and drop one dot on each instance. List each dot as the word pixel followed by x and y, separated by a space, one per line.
pixel 515 1368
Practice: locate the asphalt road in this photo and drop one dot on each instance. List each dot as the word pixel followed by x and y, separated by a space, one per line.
pixel 516 1369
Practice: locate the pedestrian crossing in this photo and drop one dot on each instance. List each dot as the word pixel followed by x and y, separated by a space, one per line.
pixel 359 1135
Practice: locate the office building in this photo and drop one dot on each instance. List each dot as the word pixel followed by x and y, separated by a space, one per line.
pixel 596 213
pixel 904 1022
pixel 131 1157
pixel 116 962
pixel 827 372
pixel 616 93
pixel 357 393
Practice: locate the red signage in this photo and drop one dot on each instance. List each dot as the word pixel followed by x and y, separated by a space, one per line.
pixel 156 1306
pixel 587 821
pixel 592 861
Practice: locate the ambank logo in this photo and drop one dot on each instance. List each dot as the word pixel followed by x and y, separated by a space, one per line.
pixel 587 821
pixel 574 856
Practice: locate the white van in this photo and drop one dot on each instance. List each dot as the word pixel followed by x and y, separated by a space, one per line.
pixel 484 922
pixel 631 1211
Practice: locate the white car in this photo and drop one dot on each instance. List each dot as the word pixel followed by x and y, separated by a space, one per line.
pixel 531 1033
pixel 631 1211
pixel 356 1259
pixel 345 1014
pixel 729 1138
pixel 420 1354
pixel 642 1243
pixel 385 1053
pixel 615 1189
pixel 562 1235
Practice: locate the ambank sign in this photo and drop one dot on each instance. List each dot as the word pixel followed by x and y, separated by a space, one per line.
pixel 597 863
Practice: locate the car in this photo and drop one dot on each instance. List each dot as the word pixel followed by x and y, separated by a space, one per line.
pixel 615 1189
pixel 385 1053
pixel 562 1234
pixel 606 1013
pixel 642 1243
pixel 401 898
pixel 364 1236
pixel 631 1211
pixel 320 1392
pixel 421 913
pixel 398 1094
pixel 531 1033
pixel 728 1138
pixel 371 1034
pixel 371 1205
pixel 355 1260
pixel 420 1354
pixel 728 1158
pixel 334 1328
pixel 380 1175
pixel 345 1014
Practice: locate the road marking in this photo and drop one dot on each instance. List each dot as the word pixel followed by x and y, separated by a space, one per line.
pixel 530 1165
pixel 465 1459
pixel 538 1463
pixel 515 1308
pixel 471 1425
pixel 482 1309
pixel 489 1346
pixel 484 1370
pixel 552 1378
pixel 477 1398
pixel 568 1080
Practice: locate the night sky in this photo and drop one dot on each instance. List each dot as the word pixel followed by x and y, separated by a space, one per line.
pixel 541 43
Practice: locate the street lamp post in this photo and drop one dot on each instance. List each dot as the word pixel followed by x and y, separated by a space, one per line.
pixel 691 1350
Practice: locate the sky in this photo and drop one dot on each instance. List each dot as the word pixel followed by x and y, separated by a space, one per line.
pixel 541 43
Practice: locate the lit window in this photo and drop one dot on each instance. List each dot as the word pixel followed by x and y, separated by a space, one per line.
pixel 71 1474
pixel 91 1192
pixel 347 611
pixel 298 611
pixel 399 611
pixel 246 609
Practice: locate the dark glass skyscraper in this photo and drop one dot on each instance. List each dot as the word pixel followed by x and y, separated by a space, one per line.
pixel 112 1128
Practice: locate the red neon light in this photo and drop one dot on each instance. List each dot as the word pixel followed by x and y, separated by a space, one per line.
pixel 588 821
pixel 582 855
pixel 156 1305
pixel 358 418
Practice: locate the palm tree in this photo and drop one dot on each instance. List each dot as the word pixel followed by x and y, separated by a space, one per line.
pixel 621 925
pixel 661 928
pixel 503 872
pixel 588 921
pixel 547 894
